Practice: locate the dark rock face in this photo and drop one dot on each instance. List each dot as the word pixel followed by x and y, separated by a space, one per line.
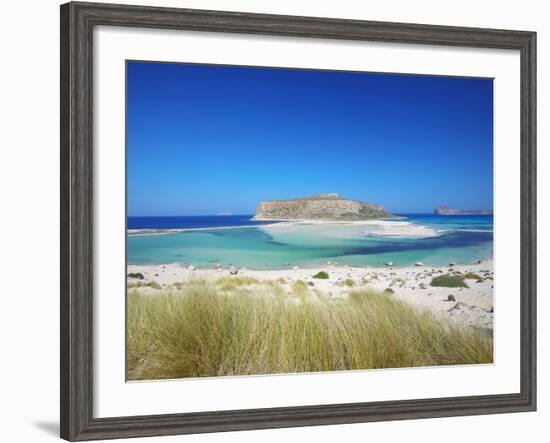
pixel 330 207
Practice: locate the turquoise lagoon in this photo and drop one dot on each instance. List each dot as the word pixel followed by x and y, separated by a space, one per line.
pixel 460 239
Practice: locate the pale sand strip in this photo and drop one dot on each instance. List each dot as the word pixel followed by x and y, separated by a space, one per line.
pixel 382 228
pixel 472 306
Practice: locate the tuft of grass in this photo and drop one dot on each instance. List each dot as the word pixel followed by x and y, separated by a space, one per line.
pixel 471 276
pixel 139 284
pixel 299 288
pixel 322 275
pixel 200 331
pixel 153 284
pixel 449 281
pixel 132 285
pixel 232 283
pixel 349 282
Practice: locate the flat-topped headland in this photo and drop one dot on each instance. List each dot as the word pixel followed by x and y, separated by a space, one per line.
pixel 321 207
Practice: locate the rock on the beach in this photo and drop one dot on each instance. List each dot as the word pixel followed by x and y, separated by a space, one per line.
pixel 451 297
pixel 390 263
pixel 457 307
pixel 233 272
pixel 460 306
pixel 191 268
pixel 389 290
pixel 419 263
pixel 452 264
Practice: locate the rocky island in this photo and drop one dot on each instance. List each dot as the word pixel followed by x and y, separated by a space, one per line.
pixel 444 210
pixel 329 207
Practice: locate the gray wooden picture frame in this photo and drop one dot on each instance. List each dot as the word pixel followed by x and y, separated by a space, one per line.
pixel 77 23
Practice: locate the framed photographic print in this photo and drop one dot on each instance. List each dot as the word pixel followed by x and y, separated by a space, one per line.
pixel 273 221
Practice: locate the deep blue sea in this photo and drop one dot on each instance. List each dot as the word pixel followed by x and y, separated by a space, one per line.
pixel 265 245
pixel 191 222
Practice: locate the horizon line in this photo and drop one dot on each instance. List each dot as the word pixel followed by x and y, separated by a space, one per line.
pixel 251 214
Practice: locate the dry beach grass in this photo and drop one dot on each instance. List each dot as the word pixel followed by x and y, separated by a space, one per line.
pixel 242 326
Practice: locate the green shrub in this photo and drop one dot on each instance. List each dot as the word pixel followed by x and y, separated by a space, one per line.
pixel 137 275
pixel 449 281
pixel 321 274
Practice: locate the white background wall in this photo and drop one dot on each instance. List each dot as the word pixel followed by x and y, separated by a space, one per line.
pixel 29 227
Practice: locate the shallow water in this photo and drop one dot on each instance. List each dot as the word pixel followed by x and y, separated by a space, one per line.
pixel 460 239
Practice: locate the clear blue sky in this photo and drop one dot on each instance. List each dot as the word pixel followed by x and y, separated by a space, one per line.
pixel 203 140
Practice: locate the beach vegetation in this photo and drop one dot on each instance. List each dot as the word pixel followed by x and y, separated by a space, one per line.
pixel 231 283
pixel 276 287
pixel 199 331
pixel 349 282
pixel 132 285
pixel 322 275
pixel 153 284
pixel 136 275
pixel 449 281
pixel 299 288
pixel 139 284
pixel 471 276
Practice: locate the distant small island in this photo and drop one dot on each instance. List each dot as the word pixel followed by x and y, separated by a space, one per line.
pixel 444 210
pixel 330 207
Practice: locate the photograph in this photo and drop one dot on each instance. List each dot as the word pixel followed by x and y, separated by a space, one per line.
pixel 298 220
pixel 282 221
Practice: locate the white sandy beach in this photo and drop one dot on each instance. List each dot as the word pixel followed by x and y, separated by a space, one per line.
pixel 471 306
